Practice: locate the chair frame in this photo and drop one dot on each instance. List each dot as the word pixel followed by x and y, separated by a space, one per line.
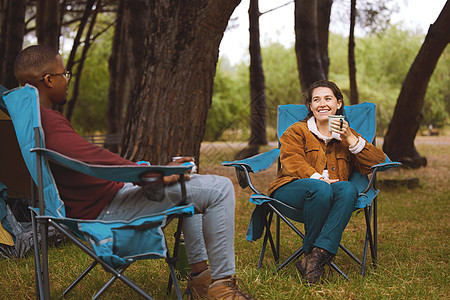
pixel 244 168
pixel 370 212
pixel 41 248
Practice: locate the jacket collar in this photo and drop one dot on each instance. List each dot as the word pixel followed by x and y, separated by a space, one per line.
pixel 312 126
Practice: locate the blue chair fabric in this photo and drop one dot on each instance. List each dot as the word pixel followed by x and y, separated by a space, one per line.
pixel 362 118
pixel 115 244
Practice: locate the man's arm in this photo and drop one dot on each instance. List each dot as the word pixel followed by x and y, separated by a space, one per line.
pixel 61 137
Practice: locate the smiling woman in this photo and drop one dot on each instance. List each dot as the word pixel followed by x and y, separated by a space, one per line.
pixel 313 178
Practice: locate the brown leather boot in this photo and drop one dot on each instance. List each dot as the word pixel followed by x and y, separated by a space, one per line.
pixel 312 266
pixel 197 286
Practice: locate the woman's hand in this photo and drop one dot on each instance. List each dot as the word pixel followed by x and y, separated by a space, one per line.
pixel 344 131
pixel 329 181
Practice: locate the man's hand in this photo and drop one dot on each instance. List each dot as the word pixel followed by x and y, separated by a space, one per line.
pixel 172 179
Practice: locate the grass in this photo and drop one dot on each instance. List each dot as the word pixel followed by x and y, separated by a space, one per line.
pixel 413 250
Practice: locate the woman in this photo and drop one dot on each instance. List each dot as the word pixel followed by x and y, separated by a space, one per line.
pixel 315 167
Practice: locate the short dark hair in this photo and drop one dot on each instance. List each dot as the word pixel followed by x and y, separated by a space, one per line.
pixel 307 95
pixel 34 57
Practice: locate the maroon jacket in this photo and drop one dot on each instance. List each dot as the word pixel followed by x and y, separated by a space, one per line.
pixel 84 196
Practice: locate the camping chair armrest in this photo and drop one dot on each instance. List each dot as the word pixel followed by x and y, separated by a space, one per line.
pixel 386 165
pixel 126 173
pixel 255 164
pixel 379 167
pixel 259 199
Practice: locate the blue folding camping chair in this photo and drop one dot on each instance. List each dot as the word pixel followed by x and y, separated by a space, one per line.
pixel 362 118
pixel 114 245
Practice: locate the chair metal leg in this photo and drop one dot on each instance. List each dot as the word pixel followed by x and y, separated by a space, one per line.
pixel 273 246
pixel 368 240
pixel 333 265
pixel 278 237
pixel 375 233
pixel 267 236
pixel 109 283
pixel 350 254
pixel 263 251
pixel 43 228
pixel 171 261
pixel 37 259
pixel 76 281
pixel 108 268
pixel 299 251
pixel 175 282
pixel 293 257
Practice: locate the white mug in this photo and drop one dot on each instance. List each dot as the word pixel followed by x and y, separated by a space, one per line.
pixel 334 117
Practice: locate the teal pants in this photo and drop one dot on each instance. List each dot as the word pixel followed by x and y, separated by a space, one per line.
pixel 326 210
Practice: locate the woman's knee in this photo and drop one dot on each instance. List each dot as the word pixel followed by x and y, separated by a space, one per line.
pixel 320 192
pixel 320 195
pixel 346 191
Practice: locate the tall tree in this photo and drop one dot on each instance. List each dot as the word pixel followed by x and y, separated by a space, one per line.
pixel 86 45
pixel 323 25
pixel 48 22
pixel 258 135
pixel 351 55
pixel 402 130
pixel 12 30
pixel 125 62
pixel 307 43
pixel 167 111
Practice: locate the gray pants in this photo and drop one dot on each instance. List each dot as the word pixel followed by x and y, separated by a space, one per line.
pixel 209 234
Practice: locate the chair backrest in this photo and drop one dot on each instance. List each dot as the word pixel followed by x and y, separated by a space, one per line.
pixel 362 118
pixel 24 108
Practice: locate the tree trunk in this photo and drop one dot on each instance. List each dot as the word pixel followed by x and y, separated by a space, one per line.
pixel 77 40
pixel 12 30
pixel 258 136
pixel 48 22
pixel 125 63
pixel 351 55
pixel 257 81
pixel 402 130
pixel 167 111
pixel 323 24
pixel 307 48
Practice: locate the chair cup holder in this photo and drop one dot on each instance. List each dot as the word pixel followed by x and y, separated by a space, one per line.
pixel 153 185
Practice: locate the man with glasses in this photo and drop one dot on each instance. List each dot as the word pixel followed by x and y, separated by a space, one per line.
pixel 208 238
pixel 67 74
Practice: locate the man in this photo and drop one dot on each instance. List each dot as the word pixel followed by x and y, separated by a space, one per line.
pixel 208 236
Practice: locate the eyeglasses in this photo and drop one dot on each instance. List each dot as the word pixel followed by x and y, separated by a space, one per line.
pixel 66 74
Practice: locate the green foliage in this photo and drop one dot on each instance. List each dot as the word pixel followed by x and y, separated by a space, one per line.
pixel 230 106
pixel 90 113
pixel 386 58
pixel 382 62
pixel 281 75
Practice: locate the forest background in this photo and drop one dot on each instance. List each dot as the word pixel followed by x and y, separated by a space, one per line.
pixel 147 70
pixel 382 59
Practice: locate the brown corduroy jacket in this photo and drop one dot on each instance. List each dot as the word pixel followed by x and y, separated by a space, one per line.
pixel 302 154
